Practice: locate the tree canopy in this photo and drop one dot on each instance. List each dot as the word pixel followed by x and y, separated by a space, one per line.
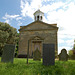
pixel 72 52
pixel 8 34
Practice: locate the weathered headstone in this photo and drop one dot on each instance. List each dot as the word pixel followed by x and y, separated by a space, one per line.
pixel 37 55
pixel 8 53
pixel 48 54
pixel 63 56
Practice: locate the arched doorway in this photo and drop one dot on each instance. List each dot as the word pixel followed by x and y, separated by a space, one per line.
pixel 36 43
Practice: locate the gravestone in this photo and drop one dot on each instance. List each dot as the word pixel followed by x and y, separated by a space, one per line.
pixel 48 54
pixel 37 55
pixel 63 56
pixel 8 53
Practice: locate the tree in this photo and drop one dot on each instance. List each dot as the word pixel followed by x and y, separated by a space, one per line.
pixel 72 52
pixel 8 35
pixel 16 50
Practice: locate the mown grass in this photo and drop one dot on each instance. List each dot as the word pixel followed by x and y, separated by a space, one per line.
pixel 19 67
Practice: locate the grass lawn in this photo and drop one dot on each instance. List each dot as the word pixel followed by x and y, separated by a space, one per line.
pixel 19 67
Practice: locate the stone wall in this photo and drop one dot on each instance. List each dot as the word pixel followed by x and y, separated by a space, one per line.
pixel 49 36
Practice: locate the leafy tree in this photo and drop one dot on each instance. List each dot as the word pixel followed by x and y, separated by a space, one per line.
pixel 74 45
pixel 16 50
pixel 72 52
pixel 8 35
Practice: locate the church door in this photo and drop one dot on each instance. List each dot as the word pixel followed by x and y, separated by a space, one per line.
pixel 37 46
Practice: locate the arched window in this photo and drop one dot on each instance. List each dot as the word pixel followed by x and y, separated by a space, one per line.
pixel 41 17
pixel 37 17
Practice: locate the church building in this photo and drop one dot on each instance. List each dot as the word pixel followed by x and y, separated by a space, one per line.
pixel 37 33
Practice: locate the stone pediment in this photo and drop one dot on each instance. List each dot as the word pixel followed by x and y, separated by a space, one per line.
pixel 38 25
pixel 37 38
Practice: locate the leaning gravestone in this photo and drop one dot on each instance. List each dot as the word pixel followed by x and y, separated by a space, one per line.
pixel 8 53
pixel 48 54
pixel 37 55
pixel 63 56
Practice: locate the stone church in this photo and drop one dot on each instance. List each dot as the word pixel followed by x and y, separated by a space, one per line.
pixel 37 33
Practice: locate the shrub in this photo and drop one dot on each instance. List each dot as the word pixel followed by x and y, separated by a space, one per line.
pixel 72 54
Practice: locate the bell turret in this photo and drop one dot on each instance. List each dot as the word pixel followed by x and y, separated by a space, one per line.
pixel 38 15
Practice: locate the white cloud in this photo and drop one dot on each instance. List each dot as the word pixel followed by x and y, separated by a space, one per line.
pixel 65 20
pixel 8 18
pixel 61 41
pixel 19 23
pixel 46 0
pixel 62 47
pixel 18 18
pixel 70 42
pixel 7 21
pixel 60 12
pixel 28 9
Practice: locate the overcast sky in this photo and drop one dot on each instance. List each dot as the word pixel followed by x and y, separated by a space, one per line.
pixel 20 12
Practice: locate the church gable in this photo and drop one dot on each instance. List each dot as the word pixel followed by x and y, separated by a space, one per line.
pixel 38 25
pixel 36 34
